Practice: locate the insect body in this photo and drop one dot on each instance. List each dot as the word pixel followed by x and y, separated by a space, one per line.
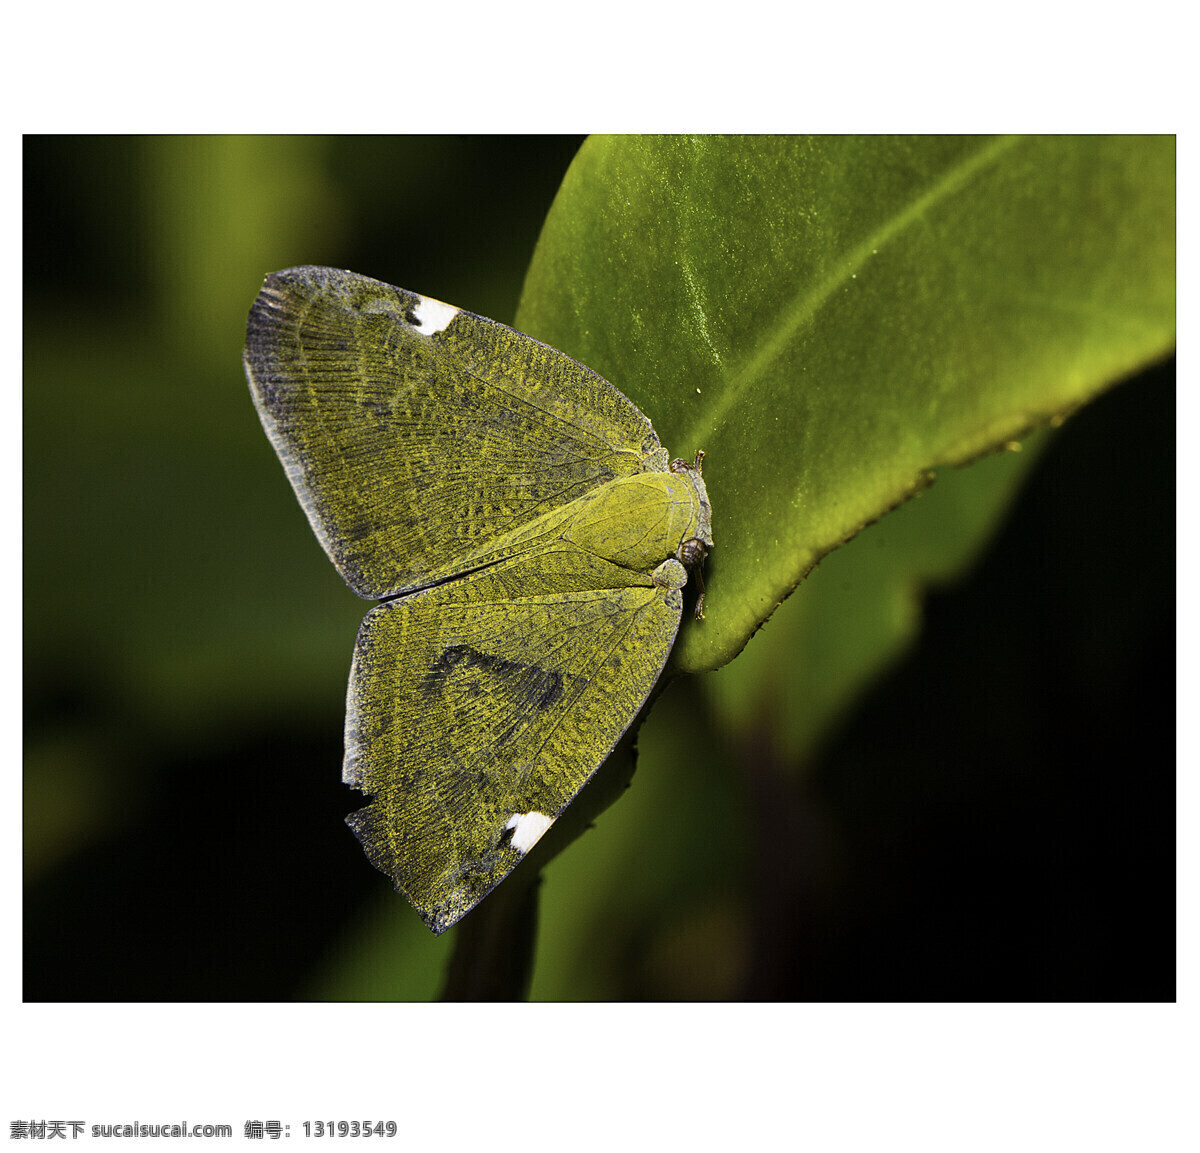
pixel 529 540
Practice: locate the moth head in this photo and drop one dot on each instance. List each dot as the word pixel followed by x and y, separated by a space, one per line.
pixel 691 554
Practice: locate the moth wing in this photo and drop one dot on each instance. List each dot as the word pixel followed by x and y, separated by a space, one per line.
pixel 475 714
pixel 417 435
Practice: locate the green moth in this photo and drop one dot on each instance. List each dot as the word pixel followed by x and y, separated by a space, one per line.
pixel 529 541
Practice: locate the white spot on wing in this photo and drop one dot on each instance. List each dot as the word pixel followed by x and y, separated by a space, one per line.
pixel 433 316
pixel 527 829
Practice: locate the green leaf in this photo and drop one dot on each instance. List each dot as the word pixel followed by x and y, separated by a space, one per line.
pixel 834 322
pixel 833 319
pixel 859 610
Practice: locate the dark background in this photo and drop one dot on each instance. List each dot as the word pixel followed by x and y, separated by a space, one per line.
pixel 994 821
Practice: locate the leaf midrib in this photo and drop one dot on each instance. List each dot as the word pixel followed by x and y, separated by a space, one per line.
pixel 806 304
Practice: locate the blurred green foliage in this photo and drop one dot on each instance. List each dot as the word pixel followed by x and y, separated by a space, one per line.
pixel 187 643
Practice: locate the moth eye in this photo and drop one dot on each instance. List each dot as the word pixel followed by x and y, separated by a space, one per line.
pixel 692 551
pixel 681 465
